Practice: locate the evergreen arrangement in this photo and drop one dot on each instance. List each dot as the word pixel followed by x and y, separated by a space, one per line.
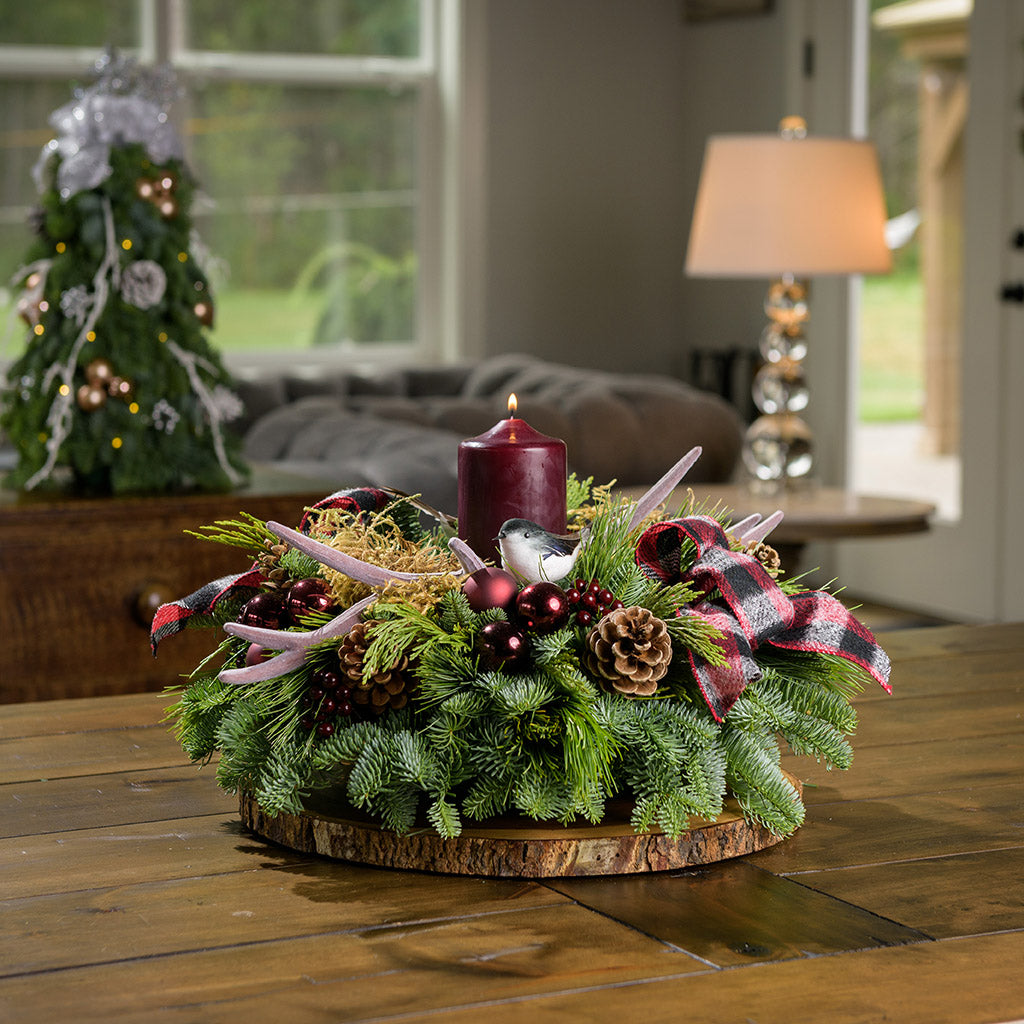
pixel 364 660
pixel 118 386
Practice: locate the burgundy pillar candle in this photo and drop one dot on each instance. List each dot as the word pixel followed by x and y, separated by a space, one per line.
pixel 509 472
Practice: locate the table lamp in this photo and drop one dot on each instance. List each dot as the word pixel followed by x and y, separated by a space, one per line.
pixel 786 206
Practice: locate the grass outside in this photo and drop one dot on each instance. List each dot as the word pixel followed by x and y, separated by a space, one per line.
pixel 892 348
pixel 265 319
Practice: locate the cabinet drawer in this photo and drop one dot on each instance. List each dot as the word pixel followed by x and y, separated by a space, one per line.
pixel 72 574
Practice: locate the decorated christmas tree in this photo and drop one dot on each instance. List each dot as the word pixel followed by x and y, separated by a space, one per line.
pixel 118 387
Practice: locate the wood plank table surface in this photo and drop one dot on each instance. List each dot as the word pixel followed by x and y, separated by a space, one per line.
pixel 129 891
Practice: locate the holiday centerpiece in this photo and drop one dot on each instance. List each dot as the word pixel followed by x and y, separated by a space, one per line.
pixel 118 389
pixel 625 675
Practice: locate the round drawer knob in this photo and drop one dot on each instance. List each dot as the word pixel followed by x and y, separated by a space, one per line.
pixel 148 599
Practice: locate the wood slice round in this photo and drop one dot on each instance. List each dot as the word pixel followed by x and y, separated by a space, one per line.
pixel 512 847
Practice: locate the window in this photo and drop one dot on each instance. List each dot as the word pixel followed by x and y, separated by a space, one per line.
pixel 313 130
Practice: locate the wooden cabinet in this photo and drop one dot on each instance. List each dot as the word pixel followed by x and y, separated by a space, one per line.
pixel 80 578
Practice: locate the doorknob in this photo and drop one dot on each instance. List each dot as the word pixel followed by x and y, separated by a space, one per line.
pixel 1013 292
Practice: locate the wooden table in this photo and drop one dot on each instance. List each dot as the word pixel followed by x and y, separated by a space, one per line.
pixel 812 512
pixel 129 892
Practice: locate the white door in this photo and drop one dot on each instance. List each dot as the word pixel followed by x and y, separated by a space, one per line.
pixel 971 568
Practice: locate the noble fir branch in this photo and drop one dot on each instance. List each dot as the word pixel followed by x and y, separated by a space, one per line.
pixel 454 613
pixel 819 702
pixel 444 816
pixel 539 792
pixel 198 713
pixel 243 746
pixel 546 648
pixel 757 782
pixel 248 533
pixel 489 795
pixel 843 677
pixel 442 672
pixel 282 781
pixel 672 762
pixel 813 720
pixel 396 806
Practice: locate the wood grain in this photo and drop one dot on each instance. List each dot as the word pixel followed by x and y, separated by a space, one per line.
pixel 134 894
pixel 966 894
pixel 117 798
pixel 378 973
pixel 865 832
pixel 735 913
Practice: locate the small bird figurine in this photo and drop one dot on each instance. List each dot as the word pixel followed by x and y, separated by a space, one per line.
pixel 533 553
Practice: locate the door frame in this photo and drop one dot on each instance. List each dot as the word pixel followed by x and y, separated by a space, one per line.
pixel 961 570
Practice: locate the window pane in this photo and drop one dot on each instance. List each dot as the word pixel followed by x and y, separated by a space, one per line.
pixel 313 211
pixel 25 108
pixel 387 28
pixel 98 23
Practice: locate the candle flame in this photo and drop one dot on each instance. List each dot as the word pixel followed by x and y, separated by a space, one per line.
pixel 513 404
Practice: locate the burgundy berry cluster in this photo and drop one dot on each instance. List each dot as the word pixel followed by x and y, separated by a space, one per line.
pixel 590 600
pixel 327 701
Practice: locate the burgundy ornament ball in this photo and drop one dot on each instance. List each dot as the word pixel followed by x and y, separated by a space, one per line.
pixel 265 610
pixel 255 653
pixel 543 607
pixel 306 596
pixel 490 588
pixel 501 644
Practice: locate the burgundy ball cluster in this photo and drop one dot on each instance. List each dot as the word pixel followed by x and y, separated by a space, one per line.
pixel 278 609
pixel 538 608
pixel 591 601
pixel 327 701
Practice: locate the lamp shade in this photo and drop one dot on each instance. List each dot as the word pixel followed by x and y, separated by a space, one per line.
pixel 769 205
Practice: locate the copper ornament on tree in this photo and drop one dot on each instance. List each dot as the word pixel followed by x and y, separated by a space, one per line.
pixel 204 312
pixel 91 397
pixel 99 372
pixel 160 192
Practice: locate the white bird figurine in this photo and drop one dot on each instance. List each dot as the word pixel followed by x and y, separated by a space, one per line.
pixel 533 553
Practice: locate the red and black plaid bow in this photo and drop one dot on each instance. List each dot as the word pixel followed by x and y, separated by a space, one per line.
pixel 172 618
pixel 750 609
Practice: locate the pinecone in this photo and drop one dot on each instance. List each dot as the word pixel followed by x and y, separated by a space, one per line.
pixel 768 557
pixel 630 650
pixel 387 688
pixel 269 561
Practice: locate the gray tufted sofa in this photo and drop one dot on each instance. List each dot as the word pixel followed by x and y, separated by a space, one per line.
pixel 402 428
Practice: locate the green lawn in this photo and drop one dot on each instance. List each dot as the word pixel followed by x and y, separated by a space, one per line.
pixel 892 348
pixel 262 319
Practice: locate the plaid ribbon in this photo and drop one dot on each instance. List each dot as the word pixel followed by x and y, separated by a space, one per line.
pixel 749 609
pixel 173 617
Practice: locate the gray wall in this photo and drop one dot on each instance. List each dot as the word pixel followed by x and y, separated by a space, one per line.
pixel 598 111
